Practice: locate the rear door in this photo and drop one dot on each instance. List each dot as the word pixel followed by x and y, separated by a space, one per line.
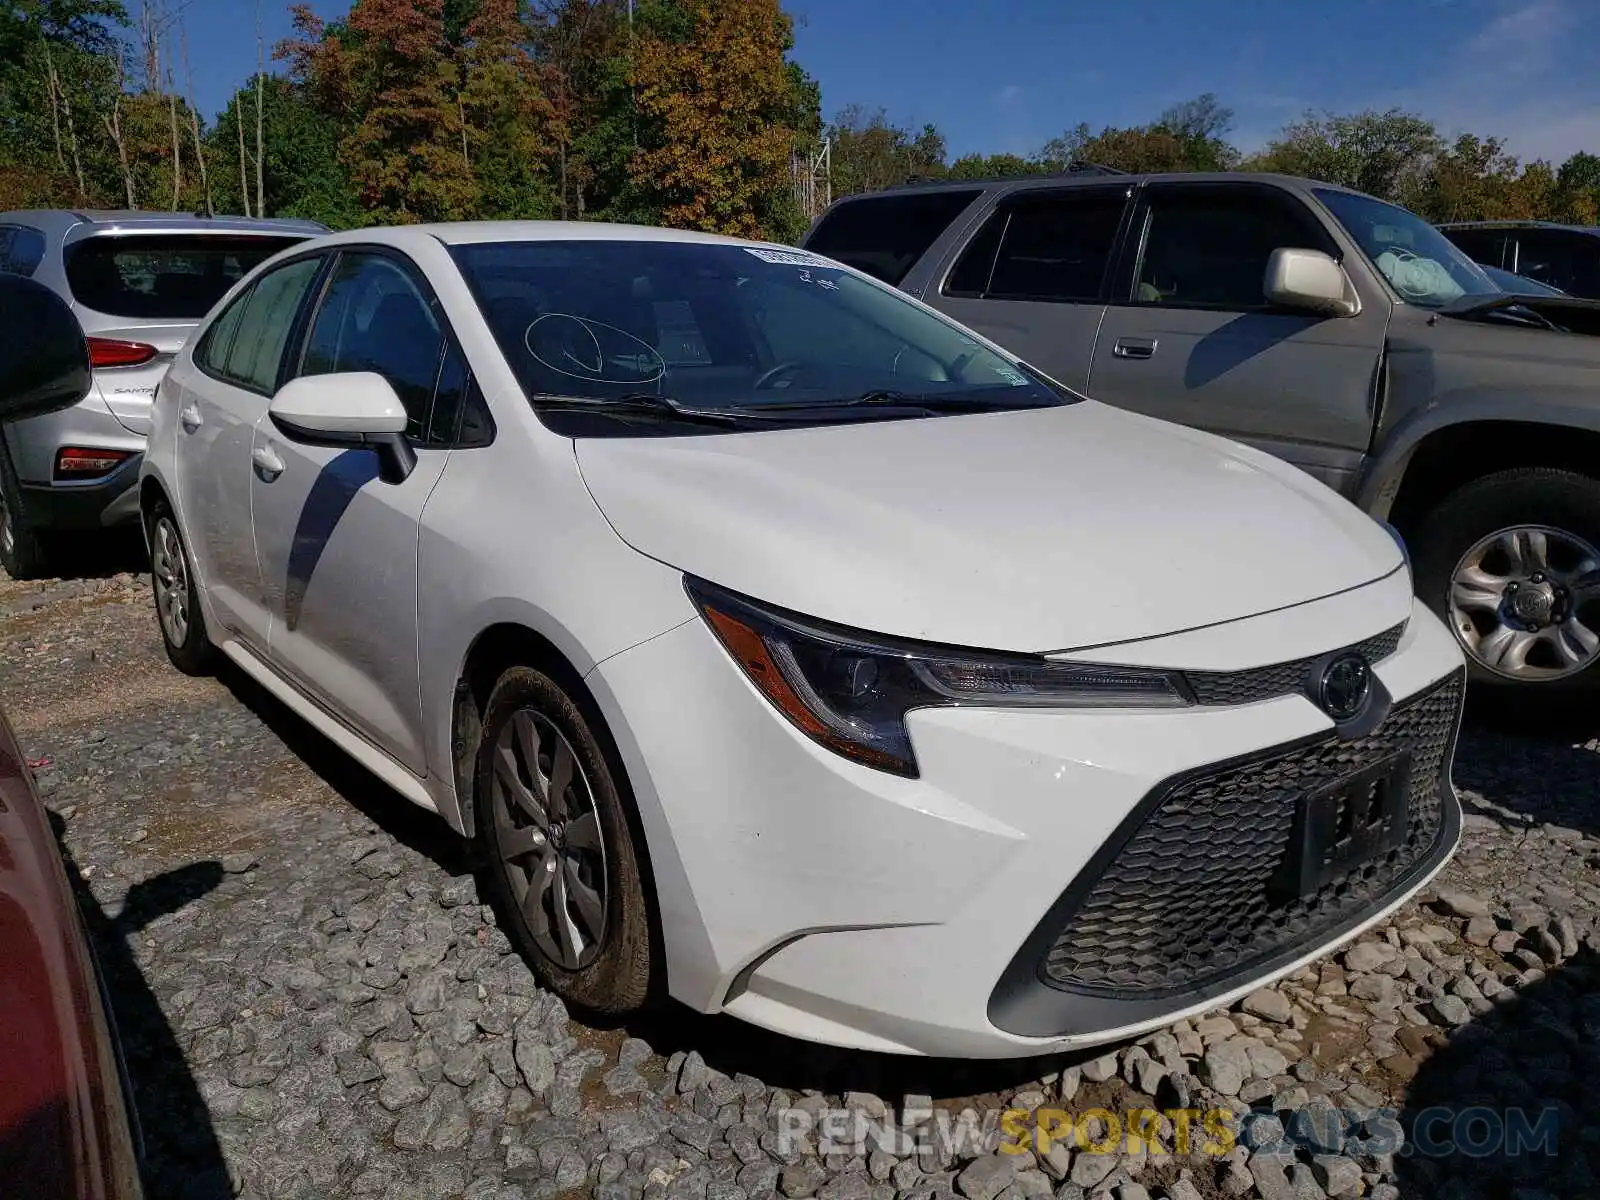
pixel 1190 337
pixel 238 362
pixel 139 295
pixel 1033 276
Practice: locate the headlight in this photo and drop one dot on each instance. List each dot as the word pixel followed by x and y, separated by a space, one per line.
pixel 850 691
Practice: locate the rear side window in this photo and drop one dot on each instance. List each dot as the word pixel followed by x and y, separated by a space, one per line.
pixel 1047 248
pixel 886 235
pixel 1569 261
pixel 1480 245
pixel 21 249
pixel 171 277
pixel 245 344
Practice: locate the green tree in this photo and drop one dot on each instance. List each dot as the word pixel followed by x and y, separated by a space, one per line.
pixel 992 166
pixel 870 153
pixel 302 171
pixel 59 63
pixel 1383 154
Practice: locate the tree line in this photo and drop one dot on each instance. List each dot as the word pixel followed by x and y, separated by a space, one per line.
pixel 690 113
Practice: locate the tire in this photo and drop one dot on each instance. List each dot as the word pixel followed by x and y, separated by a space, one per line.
pixel 178 615
pixel 610 971
pixel 1475 524
pixel 23 552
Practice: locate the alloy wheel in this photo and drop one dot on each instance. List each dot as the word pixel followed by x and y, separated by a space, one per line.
pixel 172 581
pixel 8 533
pixel 549 839
pixel 1525 603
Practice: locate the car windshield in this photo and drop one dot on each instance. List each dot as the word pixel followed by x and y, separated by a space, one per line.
pixel 1419 262
pixel 727 327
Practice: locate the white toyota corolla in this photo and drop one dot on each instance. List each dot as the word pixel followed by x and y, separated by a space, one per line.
pixel 794 651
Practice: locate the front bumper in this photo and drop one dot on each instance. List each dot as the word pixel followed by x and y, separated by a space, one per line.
pixel 822 899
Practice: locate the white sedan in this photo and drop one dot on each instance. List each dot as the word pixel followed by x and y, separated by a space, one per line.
pixel 792 650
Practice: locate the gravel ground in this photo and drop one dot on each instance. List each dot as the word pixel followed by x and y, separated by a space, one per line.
pixel 316 1004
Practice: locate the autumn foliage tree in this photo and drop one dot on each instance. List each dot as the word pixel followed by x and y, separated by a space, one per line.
pixel 716 110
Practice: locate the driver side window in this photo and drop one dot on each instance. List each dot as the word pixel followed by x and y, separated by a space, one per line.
pixel 375 317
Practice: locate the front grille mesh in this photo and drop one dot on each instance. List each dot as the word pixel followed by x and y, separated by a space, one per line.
pixel 1189 900
pixel 1278 679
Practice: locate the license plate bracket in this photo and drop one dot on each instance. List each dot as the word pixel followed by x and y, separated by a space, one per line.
pixel 1343 824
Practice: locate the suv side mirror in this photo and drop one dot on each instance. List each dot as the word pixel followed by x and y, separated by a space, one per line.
pixel 1311 281
pixel 44 359
pixel 348 410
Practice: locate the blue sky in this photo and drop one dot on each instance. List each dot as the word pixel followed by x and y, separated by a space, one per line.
pixel 1006 75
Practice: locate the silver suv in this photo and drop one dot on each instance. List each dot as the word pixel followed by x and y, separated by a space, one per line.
pixel 138 282
pixel 1326 327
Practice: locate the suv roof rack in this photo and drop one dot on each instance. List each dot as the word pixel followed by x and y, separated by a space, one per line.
pixel 1076 168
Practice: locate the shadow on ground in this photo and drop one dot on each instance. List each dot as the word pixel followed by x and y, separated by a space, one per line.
pixel 1538 767
pixel 181 1156
pixel 1508 1108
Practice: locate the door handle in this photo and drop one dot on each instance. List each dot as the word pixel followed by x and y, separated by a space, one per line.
pixel 1132 347
pixel 190 417
pixel 267 462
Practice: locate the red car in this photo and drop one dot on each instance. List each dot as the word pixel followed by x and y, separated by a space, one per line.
pixel 64 1116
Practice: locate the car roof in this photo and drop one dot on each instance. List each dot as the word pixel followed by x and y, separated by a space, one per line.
pixel 464 233
pixel 60 220
pixel 1588 229
pixel 1090 175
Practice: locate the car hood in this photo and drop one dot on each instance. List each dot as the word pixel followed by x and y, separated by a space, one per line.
pixel 1039 530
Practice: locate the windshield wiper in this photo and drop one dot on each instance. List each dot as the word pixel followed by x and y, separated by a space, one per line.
pixel 889 398
pixel 641 404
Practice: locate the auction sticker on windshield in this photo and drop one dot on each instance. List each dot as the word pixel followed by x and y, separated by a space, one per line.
pixel 793 258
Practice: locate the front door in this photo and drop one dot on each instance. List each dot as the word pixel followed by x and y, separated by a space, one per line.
pixel 1190 337
pixel 338 546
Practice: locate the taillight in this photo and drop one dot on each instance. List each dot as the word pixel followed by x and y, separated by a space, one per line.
pixel 112 352
pixel 78 462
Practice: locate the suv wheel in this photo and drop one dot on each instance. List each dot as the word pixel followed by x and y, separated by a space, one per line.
pixel 1511 562
pixel 22 551
pixel 561 851
pixel 183 628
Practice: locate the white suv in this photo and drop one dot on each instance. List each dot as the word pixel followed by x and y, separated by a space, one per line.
pixel 791 649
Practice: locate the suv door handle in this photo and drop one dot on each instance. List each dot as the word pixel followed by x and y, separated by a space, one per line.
pixel 267 462
pixel 1132 347
pixel 190 417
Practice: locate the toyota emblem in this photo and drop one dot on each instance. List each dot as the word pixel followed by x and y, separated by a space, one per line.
pixel 1346 683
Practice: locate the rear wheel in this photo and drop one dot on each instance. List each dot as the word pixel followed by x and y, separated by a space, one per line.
pixel 1511 562
pixel 22 550
pixel 561 850
pixel 183 628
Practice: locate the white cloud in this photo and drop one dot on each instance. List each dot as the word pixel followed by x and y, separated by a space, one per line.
pixel 1008 95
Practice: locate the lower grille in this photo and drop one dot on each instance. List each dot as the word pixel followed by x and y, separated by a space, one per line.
pixel 1194 892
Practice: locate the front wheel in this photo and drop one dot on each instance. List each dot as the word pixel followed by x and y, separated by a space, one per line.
pixel 562 856
pixel 1511 562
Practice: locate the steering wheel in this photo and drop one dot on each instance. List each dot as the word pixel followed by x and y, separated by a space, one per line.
pixel 772 374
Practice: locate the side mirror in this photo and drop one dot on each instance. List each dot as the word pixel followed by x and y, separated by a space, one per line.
pixel 1311 281
pixel 350 410
pixel 44 359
